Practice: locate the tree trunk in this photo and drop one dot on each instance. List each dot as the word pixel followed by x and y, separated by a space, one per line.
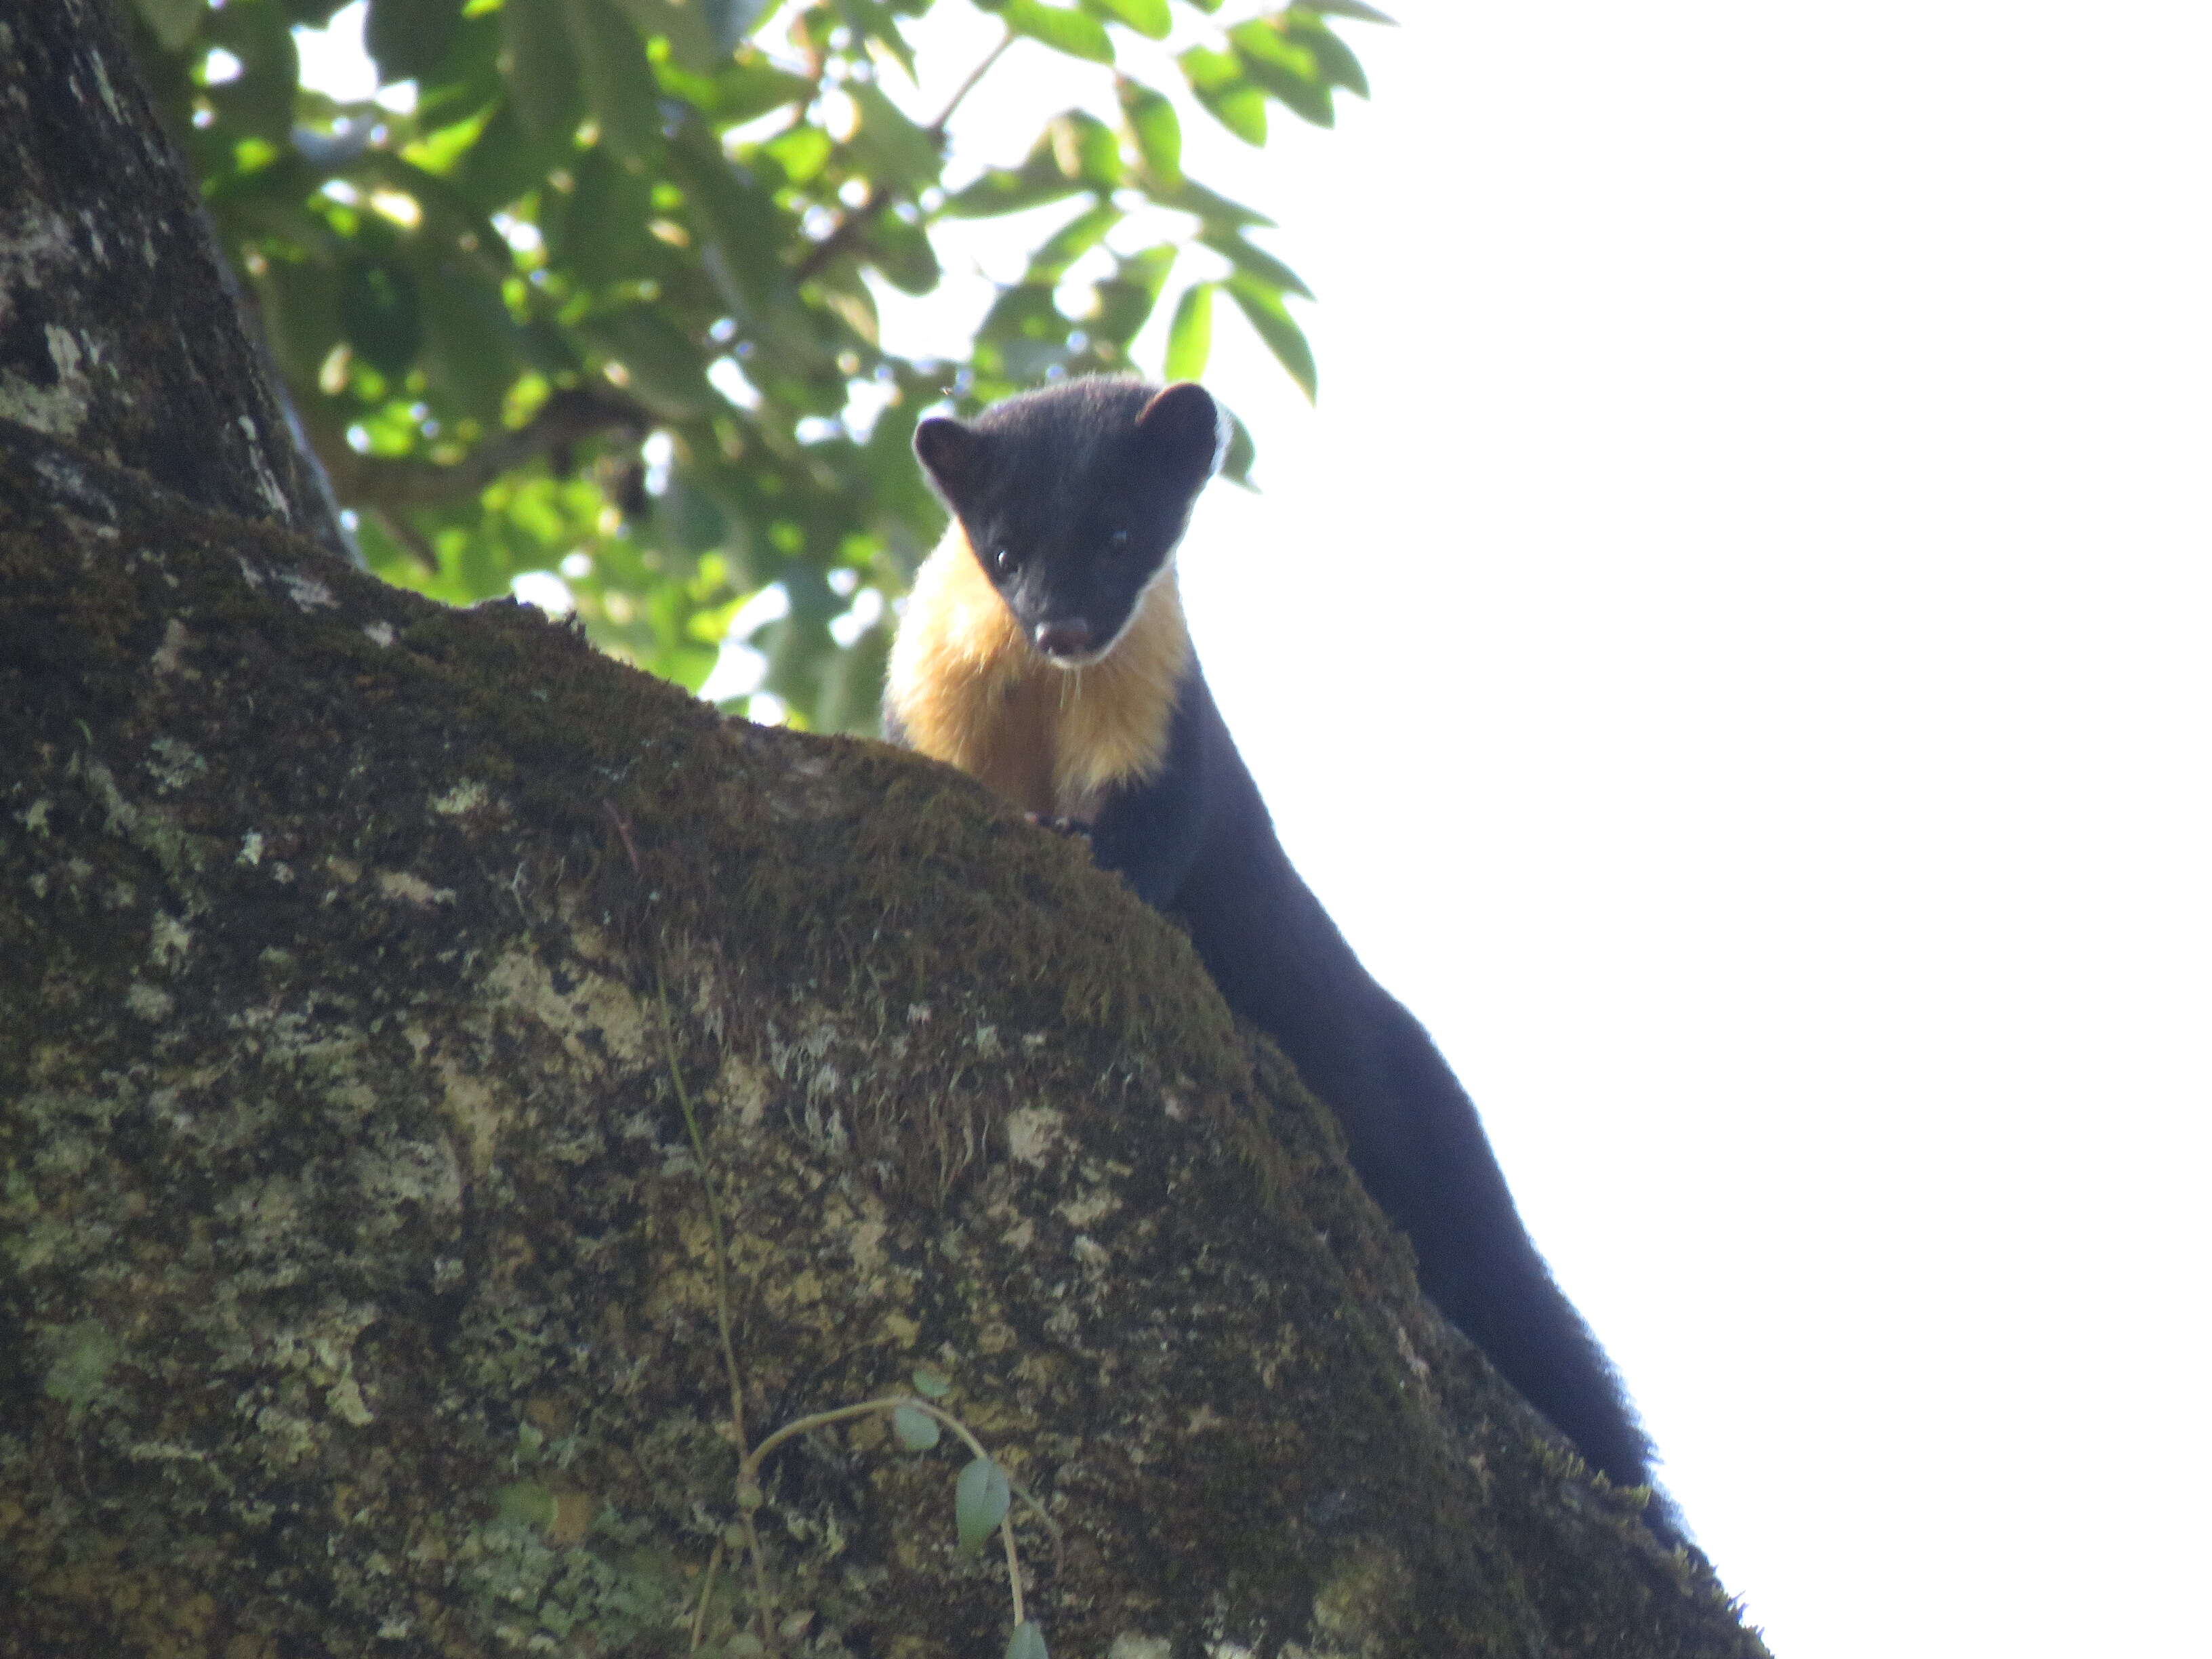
pixel 461 1097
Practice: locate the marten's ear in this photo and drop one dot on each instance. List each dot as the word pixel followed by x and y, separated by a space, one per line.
pixel 1185 433
pixel 953 454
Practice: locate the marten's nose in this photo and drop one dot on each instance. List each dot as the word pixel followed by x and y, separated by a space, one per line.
pixel 1070 637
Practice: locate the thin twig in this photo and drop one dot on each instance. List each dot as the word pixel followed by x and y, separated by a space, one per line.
pixel 387 486
pixel 936 128
pixel 705 1594
pixel 847 230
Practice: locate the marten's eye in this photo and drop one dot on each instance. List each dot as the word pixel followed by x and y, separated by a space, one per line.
pixel 1003 560
pixel 1118 542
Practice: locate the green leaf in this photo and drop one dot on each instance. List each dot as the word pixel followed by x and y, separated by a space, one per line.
pixel 260 100
pixel 1191 197
pixel 1237 464
pixel 1263 308
pixel 173 21
pixel 1148 17
pixel 1337 65
pixel 751 85
pixel 407 38
pixel 1010 189
pixel 1364 13
pixel 979 1504
pixel 1208 71
pixel 543 86
pixel 1086 150
pixel 730 211
pixel 915 1429
pixel 1075 33
pixel 1126 300
pixel 1027 1642
pixel 1071 242
pixel 378 308
pixel 1253 262
pixel 1217 80
pixel 1190 334
pixel 801 152
pixel 666 370
pixel 470 352
pixel 1286 71
pixel 618 84
pixel 299 309
pixel 506 159
pixel 599 231
pixel 873 21
pixel 896 153
pixel 734 20
pixel 686 27
pixel 465 79
pixel 903 253
pixel 1158 133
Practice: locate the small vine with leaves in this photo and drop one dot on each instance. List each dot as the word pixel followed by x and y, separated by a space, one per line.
pixel 983 1494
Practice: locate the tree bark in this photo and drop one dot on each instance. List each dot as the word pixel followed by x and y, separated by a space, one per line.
pixel 458 1096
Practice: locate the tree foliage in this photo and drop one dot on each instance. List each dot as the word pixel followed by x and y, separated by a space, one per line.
pixel 601 298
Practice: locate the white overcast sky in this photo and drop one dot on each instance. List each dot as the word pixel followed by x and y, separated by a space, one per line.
pixel 1730 647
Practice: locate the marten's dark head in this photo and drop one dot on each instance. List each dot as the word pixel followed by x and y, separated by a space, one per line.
pixel 1073 497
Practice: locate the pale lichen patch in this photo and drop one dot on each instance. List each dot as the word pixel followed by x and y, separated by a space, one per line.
pixel 169 656
pixel 1087 1210
pixel 746 1086
pixel 171 940
pixel 592 1004
pixel 407 885
pixel 465 797
pixel 472 1106
pixel 150 1002
pixel 175 765
pixel 1032 1132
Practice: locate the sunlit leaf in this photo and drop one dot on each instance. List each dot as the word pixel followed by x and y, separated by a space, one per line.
pixel 1190 334
pixel 1365 13
pixel 1086 150
pixel 1217 80
pixel 751 87
pixel 1334 60
pixel 1071 241
pixel 1148 17
pixel 1255 262
pixel 1285 71
pixel 732 21
pixel 1158 132
pixel 1075 33
pixel 1263 308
